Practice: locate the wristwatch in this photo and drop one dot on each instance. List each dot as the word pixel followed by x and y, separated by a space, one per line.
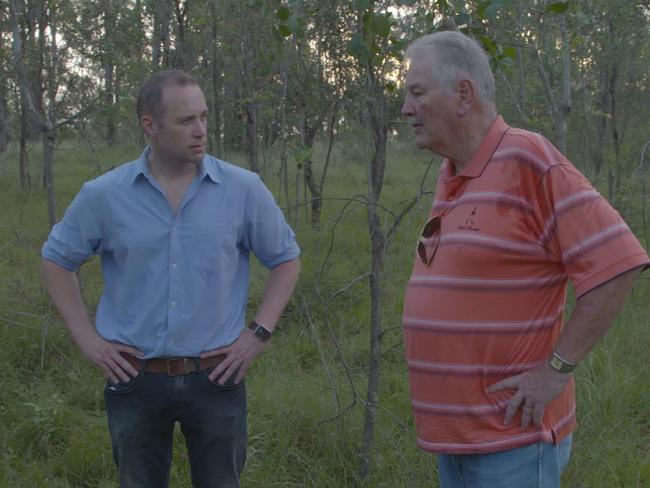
pixel 259 331
pixel 559 364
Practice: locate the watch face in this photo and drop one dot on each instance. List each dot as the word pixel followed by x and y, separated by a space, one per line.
pixel 261 332
pixel 558 365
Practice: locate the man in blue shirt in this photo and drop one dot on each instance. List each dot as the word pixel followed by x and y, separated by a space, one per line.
pixel 174 230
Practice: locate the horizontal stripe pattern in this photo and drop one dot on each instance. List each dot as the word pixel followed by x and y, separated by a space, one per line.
pixel 494 284
pixel 457 409
pixel 521 155
pixel 474 327
pixel 503 266
pixel 498 198
pixel 485 447
pixel 595 241
pixel 471 369
pixel 510 442
pixel 475 239
pixel 562 207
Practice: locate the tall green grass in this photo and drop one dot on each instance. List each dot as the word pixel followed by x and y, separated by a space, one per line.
pixel 306 392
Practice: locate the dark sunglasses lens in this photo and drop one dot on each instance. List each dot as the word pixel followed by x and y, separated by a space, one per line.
pixel 431 227
pixel 422 252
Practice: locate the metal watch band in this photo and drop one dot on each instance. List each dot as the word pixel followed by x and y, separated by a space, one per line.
pixel 259 331
pixel 559 364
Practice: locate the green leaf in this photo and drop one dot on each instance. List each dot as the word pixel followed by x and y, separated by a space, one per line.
pixel 297 25
pixel 381 25
pixel 284 30
pixel 505 61
pixel 482 6
pixel 510 52
pixel 489 45
pixel 557 7
pixel 390 86
pixel 491 12
pixel 362 5
pixel 283 13
pixel 357 45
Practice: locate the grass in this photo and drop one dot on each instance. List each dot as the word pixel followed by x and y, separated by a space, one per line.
pixel 306 392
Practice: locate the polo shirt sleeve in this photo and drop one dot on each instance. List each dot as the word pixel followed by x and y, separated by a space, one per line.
pixel 267 233
pixel 582 231
pixel 76 237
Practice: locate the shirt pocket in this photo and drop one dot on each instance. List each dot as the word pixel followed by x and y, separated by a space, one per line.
pixel 214 247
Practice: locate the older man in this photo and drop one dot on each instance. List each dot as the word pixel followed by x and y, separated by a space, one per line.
pixel 174 230
pixel 513 221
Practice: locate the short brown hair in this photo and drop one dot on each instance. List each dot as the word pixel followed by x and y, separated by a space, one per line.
pixel 150 96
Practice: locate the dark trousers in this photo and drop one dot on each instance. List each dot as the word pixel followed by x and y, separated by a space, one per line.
pixel 141 418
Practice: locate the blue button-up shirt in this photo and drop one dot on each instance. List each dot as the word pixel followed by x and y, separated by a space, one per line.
pixel 174 285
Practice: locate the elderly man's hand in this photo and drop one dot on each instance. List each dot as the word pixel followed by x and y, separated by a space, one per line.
pixel 239 356
pixel 534 390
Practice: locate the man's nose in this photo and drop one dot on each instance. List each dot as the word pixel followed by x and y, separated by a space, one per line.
pixel 407 107
pixel 200 129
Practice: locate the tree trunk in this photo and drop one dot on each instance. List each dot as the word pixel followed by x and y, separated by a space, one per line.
pixel 217 83
pixel 376 112
pixel 251 137
pixel 284 173
pixel 4 127
pixel 180 51
pixel 49 127
pixel 110 18
pixel 16 8
pixel 48 176
pixel 565 108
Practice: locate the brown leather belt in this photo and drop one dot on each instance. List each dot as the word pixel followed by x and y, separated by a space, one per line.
pixel 174 366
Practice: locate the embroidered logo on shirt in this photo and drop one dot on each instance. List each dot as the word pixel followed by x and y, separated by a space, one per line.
pixel 469 222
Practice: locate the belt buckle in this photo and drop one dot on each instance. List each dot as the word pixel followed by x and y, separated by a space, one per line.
pixel 173 360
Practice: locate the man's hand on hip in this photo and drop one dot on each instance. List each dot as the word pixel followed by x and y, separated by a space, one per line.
pixel 107 355
pixel 535 389
pixel 239 356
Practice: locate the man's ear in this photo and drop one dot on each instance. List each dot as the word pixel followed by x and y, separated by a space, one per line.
pixel 149 125
pixel 465 92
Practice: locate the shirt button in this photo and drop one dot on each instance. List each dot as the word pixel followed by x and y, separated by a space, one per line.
pixel 174 265
pixel 173 304
pixel 450 198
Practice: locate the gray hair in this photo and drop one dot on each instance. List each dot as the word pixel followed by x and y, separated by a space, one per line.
pixel 457 56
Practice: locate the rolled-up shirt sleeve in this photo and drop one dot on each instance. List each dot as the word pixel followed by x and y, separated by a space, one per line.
pixel 267 233
pixel 77 236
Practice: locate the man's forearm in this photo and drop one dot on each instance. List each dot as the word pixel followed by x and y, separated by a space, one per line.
pixel 279 288
pixel 63 288
pixel 593 315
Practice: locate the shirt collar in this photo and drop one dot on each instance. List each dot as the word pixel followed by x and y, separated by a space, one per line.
pixel 209 167
pixel 486 149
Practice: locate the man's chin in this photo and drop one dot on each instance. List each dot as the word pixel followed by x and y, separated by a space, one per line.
pixel 421 143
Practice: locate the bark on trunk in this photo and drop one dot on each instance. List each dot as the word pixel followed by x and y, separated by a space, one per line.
pixel 376 109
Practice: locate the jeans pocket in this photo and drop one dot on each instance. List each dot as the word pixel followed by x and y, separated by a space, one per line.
pixel 227 386
pixel 122 388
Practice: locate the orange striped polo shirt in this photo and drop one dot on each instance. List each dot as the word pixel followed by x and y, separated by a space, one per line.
pixel 517 224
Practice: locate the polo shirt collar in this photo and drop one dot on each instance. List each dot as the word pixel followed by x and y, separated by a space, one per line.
pixel 486 149
pixel 209 167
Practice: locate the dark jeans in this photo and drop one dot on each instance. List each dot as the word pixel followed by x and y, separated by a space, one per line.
pixel 141 417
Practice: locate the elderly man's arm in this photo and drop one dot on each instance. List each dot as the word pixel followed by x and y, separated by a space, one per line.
pixel 63 288
pixel 247 347
pixel 592 316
